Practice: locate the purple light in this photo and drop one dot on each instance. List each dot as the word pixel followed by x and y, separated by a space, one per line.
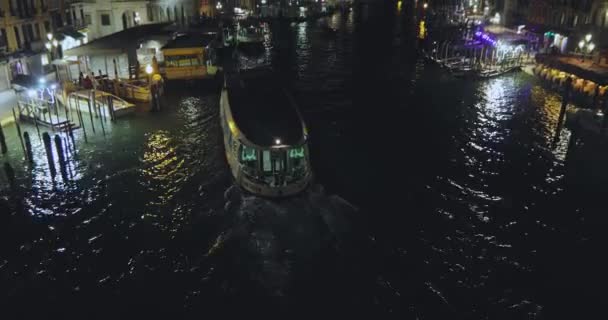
pixel 486 37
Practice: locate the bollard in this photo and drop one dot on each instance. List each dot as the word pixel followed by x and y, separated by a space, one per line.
pixel 49 152
pixel 28 146
pixel 2 141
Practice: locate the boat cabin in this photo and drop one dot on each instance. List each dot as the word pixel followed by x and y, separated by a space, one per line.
pixel 190 56
pixel 265 136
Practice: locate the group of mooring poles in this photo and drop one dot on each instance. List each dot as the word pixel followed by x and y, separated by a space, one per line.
pixel 95 108
pixel 64 146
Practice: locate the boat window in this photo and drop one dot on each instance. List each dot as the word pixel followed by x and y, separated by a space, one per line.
pixel 266 162
pixel 248 154
pixel 182 61
pixel 297 161
pixel 296 153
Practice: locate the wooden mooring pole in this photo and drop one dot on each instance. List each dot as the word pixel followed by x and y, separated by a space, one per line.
pixel 3 141
pixel 61 156
pixel 81 121
pixel 19 132
pixel 28 146
pixel 605 119
pixel 49 152
pixel 91 113
pixel 562 112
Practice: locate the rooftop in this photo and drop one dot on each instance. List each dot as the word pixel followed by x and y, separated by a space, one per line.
pixel 262 109
pixel 191 41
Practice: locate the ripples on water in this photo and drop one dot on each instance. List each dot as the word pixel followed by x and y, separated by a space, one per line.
pixel 467 205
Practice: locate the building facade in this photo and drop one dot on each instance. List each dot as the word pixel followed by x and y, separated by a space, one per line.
pixel 99 18
pixel 23 28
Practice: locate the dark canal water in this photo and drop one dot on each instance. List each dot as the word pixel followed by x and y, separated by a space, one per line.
pixel 466 210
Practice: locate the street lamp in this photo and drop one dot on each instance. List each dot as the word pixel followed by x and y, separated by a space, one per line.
pixel 218 6
pixel 588 37
pixel 590 47
pixel 55 43
pixel 581 45
pixel 425 5
pixel 49 36
pixel 149 69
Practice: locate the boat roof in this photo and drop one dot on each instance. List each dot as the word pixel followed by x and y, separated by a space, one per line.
pixel 262 109
pixel 191 41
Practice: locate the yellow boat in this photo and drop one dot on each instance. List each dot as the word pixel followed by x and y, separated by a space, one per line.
pixel 190 56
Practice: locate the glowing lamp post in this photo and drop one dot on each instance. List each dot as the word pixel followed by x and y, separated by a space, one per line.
pixel 149 71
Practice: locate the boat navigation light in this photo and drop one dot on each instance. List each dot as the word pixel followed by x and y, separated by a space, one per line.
pixel 277 141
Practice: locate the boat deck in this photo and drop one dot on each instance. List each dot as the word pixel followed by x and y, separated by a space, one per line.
pixel 263 110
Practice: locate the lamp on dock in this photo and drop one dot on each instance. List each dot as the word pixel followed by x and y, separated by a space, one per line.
pixel 586 46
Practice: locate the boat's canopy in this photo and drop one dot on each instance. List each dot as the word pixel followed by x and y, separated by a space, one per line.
pixel 262 109
pixel 191 40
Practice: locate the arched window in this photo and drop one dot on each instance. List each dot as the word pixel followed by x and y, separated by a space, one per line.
pixel 168 14
pixel 175 15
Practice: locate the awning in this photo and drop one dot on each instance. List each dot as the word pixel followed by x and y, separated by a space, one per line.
pixel 120 42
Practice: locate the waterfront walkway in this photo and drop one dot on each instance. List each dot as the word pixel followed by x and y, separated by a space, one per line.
pixel 586 69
